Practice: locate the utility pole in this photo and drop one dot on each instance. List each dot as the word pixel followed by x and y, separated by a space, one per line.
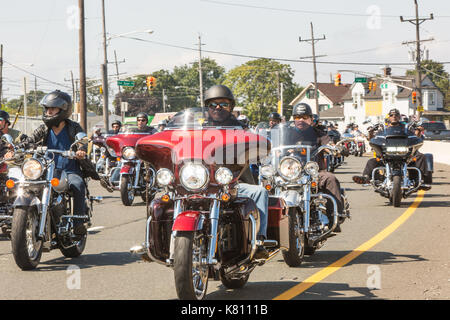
pixel 25 127
pixel 313 41
pixel 82 58
pixel 200 70
pixel 35 97
pixel 120 90
pixel 1 74
pixel 417 22
pixel 105 73
pixel 164 100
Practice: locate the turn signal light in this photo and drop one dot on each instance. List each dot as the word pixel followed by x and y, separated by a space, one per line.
pixel 313 184
pixel 165 198
pixel 118 159
pixel 268 187
pixel 225 197
pixel 54 182
pixel 10 184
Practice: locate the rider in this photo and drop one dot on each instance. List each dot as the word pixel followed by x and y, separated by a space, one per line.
pixel 420 163
pixel 142 120
pixel 274 119
pixel 5 129
pixel 308 134
pixel 116 125
pixel 58 132
pixel 244 119
pixel 220 103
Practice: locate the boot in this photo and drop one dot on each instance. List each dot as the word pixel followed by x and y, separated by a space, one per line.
pixel 361 179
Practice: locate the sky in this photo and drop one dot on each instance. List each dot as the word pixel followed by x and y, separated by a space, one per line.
pixel 40 38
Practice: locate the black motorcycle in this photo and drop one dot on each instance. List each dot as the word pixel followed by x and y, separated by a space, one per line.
pixel 43 219
pixel 395 149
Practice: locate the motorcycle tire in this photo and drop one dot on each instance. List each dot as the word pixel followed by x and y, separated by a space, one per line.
pixel 396 191
pixel 76 250
pixel 126 193
pixel 233 283
pixel 295 255
pixel 26 249
pixel 191 282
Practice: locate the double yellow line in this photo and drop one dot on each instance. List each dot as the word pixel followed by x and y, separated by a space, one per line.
pixel 332 268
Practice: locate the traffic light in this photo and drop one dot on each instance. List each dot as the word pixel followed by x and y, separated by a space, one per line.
pixel 337 80
pixel 374 86
pixel 370 86
pixel 151 82
pixel 100 89
pixel 414 97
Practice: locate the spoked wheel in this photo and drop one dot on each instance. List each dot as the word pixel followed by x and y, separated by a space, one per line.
pixel 26 248
pixel 191 277
pixel 126 190
pixel 295 255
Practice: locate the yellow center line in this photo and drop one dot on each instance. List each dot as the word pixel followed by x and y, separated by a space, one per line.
pixel 332 268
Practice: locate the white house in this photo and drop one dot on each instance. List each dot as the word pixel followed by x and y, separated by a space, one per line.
pixel 361 103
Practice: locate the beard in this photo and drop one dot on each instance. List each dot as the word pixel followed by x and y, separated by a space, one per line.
pixel 219 115
pixel 301 125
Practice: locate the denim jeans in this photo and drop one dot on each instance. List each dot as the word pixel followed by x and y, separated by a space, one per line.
pixel 261 198
pixel 78 188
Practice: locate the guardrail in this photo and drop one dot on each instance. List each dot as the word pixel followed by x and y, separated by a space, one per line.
pixel 440 151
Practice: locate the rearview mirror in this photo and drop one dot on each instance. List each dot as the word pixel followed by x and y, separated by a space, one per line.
pixel 8 139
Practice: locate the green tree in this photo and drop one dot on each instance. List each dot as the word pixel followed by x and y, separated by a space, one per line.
pixel 33 107
pixel 436 72
pixel 255 86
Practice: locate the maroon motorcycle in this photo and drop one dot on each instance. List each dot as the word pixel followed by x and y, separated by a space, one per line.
pixel 129 176
pixel 197 224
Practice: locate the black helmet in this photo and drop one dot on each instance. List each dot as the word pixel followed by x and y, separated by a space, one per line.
pixel 5 116
pixel 60 100
pixel 219 91
pixel 142 115
pixel 274 116
pixel 116 122
pixel 301 109
pixel 394 111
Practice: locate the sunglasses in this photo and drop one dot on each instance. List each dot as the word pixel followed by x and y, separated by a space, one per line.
pixel 394 115
pixel 301 117
pixel 220 104
pixel 141 120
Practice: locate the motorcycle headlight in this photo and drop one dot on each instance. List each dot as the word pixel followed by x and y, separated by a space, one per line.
pixel 312 168
pixel 223 176
pixel 128 153
pixel 164 177
pixel 397 150
pixel 193 176
pixel 290 168
pixel 267 171
pixel 111 152
pixel 32 169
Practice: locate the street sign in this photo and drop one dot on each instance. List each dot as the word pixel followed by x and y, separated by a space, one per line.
pixel 124 106
pixel 384 85
pixel 123 83
pixel 361 80
pixel 420 109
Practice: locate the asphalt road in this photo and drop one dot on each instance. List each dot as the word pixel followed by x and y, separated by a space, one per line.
pixel 371 259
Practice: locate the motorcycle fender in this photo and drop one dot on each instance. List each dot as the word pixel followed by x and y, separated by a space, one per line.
pixel 127 169
pixel 429 162
pixel 26 200
pixel 188 221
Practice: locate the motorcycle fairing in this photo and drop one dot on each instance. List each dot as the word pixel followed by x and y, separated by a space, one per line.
pixel 188 221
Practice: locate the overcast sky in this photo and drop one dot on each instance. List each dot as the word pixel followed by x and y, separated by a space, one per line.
pixel 44 33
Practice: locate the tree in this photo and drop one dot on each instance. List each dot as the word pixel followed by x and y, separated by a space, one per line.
pixel 33 107
pixel 436 72
pixel 255 85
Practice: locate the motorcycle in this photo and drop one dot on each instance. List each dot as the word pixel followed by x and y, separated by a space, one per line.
pixel 395 149
pixel 104 161
pixel 350 144
pixel 197 224
pixel 8 195
pixel 129 176
pixel 292 175
pixel 360 145
pixel 43 217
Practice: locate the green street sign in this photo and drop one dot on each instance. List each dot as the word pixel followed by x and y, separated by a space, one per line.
pixel 125 83
pixel 361 80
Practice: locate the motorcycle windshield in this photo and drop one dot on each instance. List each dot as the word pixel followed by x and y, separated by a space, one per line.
pixel 189 136
pixel 286 140
pixel 127 137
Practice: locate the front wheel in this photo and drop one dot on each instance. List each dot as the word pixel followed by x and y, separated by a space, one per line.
pixel 191 277
pixel 26 248
pixel 126 190
pixel 295 255
pixel 396 191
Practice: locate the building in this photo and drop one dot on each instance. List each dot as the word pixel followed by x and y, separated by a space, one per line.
pixel 374 98
pixel 330 98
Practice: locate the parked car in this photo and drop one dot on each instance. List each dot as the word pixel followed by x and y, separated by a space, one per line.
pixel 436 130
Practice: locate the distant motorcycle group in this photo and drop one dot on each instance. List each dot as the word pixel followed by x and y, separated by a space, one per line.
pixel 220 199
